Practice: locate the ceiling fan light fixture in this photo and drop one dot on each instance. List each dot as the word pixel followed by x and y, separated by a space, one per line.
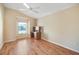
pixel 26 5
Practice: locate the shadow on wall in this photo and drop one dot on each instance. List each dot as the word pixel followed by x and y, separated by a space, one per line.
pixel 44 34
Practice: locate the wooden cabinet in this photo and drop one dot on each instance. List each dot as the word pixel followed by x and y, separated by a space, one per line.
pixel 36 33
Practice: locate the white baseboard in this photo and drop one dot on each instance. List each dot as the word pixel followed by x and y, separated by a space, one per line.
pixel 63 46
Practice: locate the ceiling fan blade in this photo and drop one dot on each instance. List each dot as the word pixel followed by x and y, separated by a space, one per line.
pixel 30 8
pixel 34 11
pixel 36 8
pixel 26 5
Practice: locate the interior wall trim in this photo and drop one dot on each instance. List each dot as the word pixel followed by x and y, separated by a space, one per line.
pixel 63 46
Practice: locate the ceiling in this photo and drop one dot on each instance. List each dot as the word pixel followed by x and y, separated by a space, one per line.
pixel 42 9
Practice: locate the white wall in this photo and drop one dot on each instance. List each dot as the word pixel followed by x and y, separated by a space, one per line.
pixel 62 27
pixel 10 24
pixel 1 24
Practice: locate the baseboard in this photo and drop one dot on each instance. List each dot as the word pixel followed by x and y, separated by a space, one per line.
pixel 63 46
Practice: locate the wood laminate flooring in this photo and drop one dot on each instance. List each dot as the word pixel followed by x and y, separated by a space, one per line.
pixel 34 47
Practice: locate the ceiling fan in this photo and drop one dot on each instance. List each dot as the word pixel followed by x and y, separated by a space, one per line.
pixel 30 8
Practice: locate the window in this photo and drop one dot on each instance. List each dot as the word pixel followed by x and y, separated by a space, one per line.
pixel 22 28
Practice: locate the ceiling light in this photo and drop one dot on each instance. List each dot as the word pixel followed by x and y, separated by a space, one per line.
pixel 26 5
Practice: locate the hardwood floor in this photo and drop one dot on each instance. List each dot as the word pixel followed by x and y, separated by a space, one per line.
pixel 34 47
